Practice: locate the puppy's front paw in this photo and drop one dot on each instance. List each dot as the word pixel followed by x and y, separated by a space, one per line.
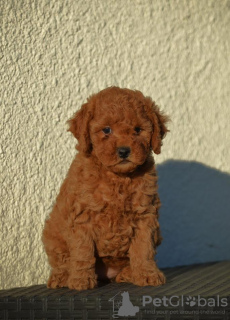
pixel 148 277
pixel 125 275
pixel 57 279
pixel 84 283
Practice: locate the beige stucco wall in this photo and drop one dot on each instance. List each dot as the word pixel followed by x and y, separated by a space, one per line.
pixel 55 53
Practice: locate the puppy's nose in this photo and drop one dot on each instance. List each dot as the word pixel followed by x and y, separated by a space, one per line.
pixel 123 152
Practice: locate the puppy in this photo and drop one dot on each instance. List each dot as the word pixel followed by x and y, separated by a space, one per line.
pixel 104 223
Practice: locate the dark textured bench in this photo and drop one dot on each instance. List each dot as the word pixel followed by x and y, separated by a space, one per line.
pixel 192 292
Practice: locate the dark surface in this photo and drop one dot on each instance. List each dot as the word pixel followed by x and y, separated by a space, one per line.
pixel 208 282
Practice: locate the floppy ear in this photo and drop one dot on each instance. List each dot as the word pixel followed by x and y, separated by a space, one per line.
pixel 159 121
pixel 79 126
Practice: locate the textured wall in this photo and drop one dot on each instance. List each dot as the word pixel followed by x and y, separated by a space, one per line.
pixel 56 53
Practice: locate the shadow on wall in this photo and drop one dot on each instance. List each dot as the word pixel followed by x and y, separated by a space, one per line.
pixel 195 214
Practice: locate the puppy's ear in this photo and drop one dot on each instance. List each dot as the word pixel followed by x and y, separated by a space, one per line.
pixel 159 121
pixel 79 126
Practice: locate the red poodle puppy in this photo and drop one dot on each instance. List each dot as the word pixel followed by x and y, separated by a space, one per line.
pixel 105 220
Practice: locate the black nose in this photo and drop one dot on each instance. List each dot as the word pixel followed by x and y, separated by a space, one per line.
pixel 123 152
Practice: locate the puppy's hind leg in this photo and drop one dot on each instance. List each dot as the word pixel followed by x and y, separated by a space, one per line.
pixel 58 256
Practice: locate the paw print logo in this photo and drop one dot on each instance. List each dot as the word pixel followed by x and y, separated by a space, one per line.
pixel 191 301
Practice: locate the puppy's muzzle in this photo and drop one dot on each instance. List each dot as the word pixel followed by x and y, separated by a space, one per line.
pixel 123 152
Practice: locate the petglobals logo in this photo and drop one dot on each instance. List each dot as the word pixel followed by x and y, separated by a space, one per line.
pixel 122 306
pixel 181 301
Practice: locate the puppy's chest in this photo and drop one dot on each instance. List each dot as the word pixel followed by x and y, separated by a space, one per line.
pixel 116 196
pixel 122 196
pixel 113 234
pixel 117 206
pixel 122 205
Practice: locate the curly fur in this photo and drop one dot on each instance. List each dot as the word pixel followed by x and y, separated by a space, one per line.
pixel 104 223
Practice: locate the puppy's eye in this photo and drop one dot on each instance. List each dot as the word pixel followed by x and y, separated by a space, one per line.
pixel 137 129
pixel 107 130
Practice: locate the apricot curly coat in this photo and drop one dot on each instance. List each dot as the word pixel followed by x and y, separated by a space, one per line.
pixel 105 220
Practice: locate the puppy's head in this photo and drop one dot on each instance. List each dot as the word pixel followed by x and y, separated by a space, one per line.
pixel 120 127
